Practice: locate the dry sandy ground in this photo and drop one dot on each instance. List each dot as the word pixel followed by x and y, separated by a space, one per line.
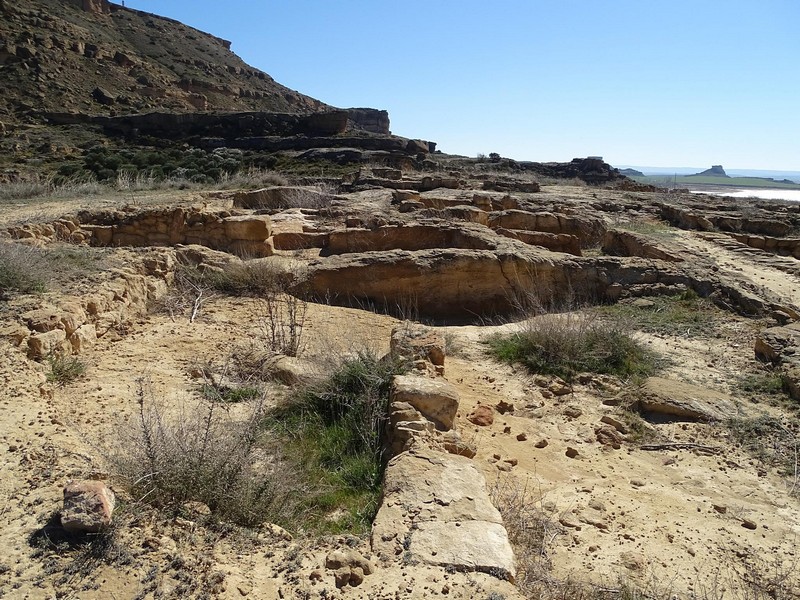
pixel 671 520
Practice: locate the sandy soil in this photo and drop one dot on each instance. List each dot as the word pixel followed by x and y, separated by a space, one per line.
pixel 679 521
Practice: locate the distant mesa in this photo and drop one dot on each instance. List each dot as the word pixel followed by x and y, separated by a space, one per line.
pixel 714 171
pixel 631 173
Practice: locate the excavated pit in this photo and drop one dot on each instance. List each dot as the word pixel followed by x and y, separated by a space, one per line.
pixel 439 269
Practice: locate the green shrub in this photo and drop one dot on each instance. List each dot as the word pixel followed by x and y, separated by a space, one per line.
pixel 232 394
pixel 64 369
pixel 769 383
pixel 567 344
pixel 337 427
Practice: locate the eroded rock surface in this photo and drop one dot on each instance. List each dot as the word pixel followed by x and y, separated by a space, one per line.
pixel 680 400
pixel 437 510
pixel 781 347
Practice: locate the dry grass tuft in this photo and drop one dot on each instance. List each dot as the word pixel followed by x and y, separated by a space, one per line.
pixel 205 454
pixel 22 269
pixel 570 343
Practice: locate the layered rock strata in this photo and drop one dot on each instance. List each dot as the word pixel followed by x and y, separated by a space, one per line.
pixel 436 508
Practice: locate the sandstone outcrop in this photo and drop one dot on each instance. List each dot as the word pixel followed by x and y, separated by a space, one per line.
pixel 435 399
pixel 708 219
pixel 469 284
pixel 627 243
pixel 77 322
pixel 369 119
pixel 782 246
pixel 588 230
pixel 413 343
pixel 282 197
pixel 591 170
pixel 556 242
pixel 349 567
pixel 407 237
pixel 242 235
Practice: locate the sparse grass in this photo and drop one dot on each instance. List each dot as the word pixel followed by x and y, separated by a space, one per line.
pixel 27 269
pixel 232 394
pixel 769 384
pixel 132 181
pixel 246 278
pixel 193 286
pixel 51 186
pixel 336 428
pixel 454 344
pixel 684 314
pixel 773 442
pixel 531 530
pixel 570 343
pixel 64 369
pixel 648 227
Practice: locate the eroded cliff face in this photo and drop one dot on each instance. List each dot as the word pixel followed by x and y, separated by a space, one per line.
pixel 98 7
pixel 56 53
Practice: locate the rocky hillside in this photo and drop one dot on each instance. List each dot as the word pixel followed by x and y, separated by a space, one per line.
pixel 95 57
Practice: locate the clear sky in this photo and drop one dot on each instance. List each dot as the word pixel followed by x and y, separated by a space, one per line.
pixel 639 82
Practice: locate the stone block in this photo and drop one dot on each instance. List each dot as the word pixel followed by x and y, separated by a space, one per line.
pixel 41 345
pixel 254 228
pixel 435 399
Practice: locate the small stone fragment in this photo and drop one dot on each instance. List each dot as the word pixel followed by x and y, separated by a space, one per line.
pixel 356 576
pixel 541 444
pixel 572 452
pixel 483 416
pixel 521 437
pixel 504 407
pixel 560 388
pixel 342 577
pixel 615 423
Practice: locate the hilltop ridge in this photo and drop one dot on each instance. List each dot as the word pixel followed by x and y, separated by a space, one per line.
pixel 95 57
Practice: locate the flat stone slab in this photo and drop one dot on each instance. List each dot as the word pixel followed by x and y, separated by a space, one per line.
pixel 436 510
pixel 465 545
pixel 685 401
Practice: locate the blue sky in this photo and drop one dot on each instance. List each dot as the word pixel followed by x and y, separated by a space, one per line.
pixel 640 82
